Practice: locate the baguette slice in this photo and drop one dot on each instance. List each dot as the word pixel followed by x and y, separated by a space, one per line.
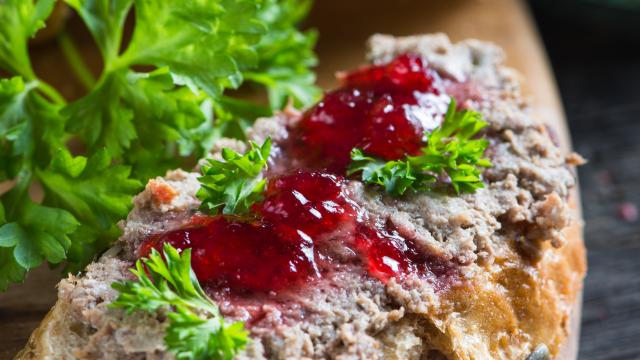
pixel 523 272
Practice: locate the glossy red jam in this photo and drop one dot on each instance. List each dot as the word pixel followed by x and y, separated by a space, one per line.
pixel 370 111
pixel 307 204
pixel 388 255
pixel 304 223
pixel 241 255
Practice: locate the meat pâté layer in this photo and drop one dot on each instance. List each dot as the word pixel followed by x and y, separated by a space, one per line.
pixel 514 285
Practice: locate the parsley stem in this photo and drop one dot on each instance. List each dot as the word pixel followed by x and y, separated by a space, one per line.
pixel 51 93
pixel 78 66
pixel 260 78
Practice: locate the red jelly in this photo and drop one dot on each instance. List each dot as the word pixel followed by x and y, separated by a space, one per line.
pixel 404 74
pixel 305 219
pixel 368 112
pixel 307 204
pixel 388 254
pixel 271 252
pixel 229 253
pixel 389 132
pixel 329 130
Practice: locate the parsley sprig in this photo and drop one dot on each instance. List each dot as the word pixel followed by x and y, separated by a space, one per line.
pixel 91 155
pixel 394 176
pixel 196 330
pixel 451 156
pixel 236 183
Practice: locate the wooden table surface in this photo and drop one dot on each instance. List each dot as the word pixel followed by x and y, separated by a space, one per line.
pixel 344 26
pixel 597 65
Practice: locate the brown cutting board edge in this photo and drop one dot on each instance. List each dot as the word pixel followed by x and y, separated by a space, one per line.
pixel 344 27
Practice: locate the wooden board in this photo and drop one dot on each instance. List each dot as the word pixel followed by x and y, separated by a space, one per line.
pixel 344 25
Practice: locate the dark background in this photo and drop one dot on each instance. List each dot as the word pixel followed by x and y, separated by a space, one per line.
pixel 595 53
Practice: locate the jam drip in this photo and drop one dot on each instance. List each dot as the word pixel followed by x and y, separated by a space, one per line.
pixel 307 225
pixel 375 110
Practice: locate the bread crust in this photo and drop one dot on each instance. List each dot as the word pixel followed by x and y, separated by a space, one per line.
pixel 36 345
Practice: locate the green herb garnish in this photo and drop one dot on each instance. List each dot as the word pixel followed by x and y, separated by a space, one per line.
pixel 131 124
pixel 196 329
pixel 451 152
pixel 235 183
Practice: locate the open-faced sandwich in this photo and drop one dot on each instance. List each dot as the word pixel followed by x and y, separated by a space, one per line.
pixel 416 212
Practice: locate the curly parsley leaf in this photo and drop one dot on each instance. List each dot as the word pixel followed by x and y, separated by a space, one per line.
pixel 235 116
pixel 235 183
pixel 30 131
pixel 97 192
pixel 30 127
pixel 286 55
pixel 10 270
pixel 395 176
pixel 177 115
pixel 203 43
pixel 452 150
pixel 196 329
pixel 105 20
pixel 144 112
pixel 451 153
pixel 19 21
pixel 33 233
pixel 41 233
pixel 99 118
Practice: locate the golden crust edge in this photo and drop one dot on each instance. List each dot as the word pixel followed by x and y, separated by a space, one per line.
pixel 575 254
pixel 37 348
